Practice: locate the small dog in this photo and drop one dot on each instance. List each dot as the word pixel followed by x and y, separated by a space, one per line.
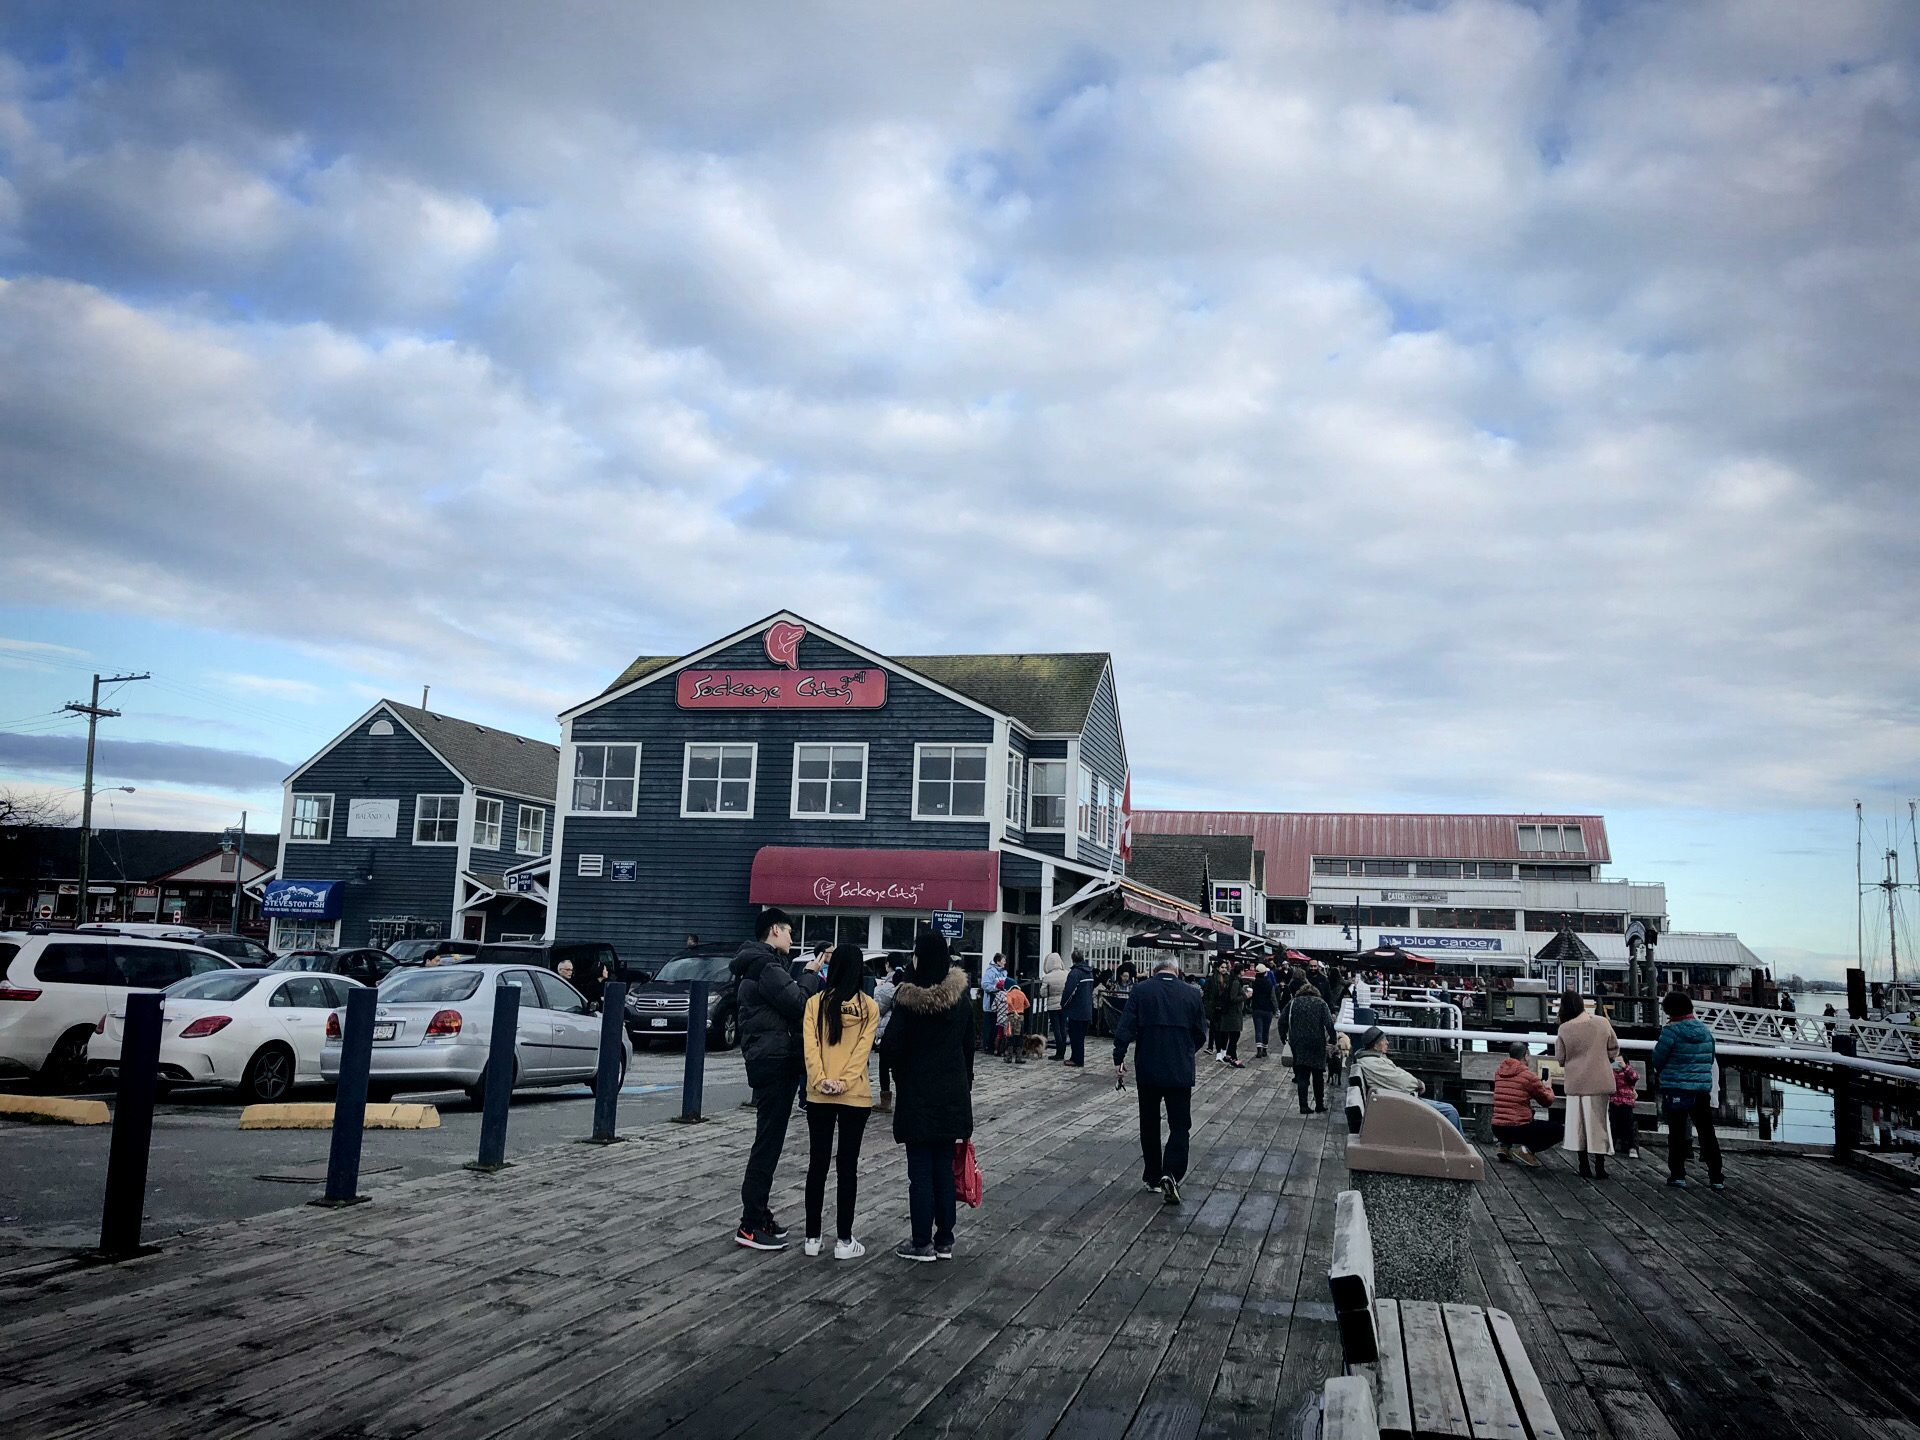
pixel 1036 1046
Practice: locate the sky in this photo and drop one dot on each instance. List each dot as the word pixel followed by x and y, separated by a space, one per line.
pixel 1470 406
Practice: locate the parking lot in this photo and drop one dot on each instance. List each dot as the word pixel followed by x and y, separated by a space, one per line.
pixel 204 1169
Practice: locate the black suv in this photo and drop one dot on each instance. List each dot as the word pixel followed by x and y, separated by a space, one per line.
pixel 362 963
pixel 415 952
pixel 250 953
pixel 657 1010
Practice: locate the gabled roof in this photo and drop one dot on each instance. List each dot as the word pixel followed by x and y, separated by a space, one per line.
pixel 1049 694
pixel 642 665
pixel 1292 838
pixel 140 855
pixel 1566 948
pixel 486 758
pixel 1175 864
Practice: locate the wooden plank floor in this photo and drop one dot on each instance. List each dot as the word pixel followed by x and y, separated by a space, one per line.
pixel 595 1292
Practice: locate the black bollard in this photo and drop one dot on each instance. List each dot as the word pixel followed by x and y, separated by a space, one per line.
pixel 1846 1111
pixel 606 1082
pixel 132 1128
pixel 693 1081
pixel 493 1123
pixel 350 1101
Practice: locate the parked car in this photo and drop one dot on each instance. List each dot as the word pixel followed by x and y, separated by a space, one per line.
pixel 361 963
pixel 255 1031
pixel 239 949
pixel 55 987
pixel 657 1009
pixel 589 958
pixel 433 1026
pixel 416 952
pixel 144 929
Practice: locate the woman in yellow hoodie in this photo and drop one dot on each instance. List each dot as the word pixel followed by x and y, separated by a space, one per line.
pixel 838 1030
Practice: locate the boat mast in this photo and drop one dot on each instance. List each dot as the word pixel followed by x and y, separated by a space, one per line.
pixel 1859 894
pixel 1891 884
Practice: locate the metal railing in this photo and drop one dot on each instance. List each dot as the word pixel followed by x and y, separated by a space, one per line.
pixel 1749 1025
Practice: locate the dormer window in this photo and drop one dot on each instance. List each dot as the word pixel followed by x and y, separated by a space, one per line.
pixel 1552 839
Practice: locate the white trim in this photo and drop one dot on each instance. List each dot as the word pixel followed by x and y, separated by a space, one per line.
pixel 753 779
pixel 794 812
pixel 555 841
pixel 499 823
pixel 997 758
pixel 290 838
pixel 463 862
pixel 674 667
pixel 519 829
pixel 459 810
pixel 1065 795
pixel 985 817
pixel 567 752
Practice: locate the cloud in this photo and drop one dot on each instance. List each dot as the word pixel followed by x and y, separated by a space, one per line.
pixel 142 760
pixel 1482 404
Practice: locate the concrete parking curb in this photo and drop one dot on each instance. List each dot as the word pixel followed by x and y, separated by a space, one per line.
pixel 320 1117
pixel 49 1107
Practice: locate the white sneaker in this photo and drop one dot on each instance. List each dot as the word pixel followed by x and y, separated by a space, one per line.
pixel 1219 1054
pixel 813 1245
pixel 848 1249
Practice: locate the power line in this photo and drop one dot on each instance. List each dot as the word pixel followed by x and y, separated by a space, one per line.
pixel 95 713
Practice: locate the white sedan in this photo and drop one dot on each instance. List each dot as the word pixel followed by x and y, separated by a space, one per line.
pixel 258 1031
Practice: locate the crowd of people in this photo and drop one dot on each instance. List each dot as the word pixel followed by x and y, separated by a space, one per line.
pixel 822 1034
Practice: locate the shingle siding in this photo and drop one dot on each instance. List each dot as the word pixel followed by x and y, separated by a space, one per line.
pixel 693 874
pixel 408 879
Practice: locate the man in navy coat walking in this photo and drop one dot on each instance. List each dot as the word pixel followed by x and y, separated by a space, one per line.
pixel 1165 1018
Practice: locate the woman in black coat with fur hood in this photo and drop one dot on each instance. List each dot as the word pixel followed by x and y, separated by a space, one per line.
pixel 929 1047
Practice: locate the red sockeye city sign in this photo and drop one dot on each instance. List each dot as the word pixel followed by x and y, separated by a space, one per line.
pixel 864 689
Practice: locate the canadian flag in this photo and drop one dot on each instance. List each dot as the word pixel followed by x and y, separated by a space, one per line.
pixel 1126 821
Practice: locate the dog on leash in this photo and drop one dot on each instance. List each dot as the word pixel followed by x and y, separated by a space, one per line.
pixel 1036 1046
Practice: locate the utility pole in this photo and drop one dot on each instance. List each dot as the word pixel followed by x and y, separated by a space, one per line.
pixel 94 715
pixel 239 872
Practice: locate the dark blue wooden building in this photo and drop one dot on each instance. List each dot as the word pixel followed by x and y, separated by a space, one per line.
pixel 787 765
pixel 415 824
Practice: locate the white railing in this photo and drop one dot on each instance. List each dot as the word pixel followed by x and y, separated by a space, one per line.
pixel 1747 1024
pixel 1421 1014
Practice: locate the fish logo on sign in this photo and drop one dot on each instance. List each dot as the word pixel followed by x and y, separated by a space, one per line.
pixel 783 643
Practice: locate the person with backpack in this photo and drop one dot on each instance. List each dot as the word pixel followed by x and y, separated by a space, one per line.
pixel 769 1005
pixel 929 1046
pixel 837 1031
pixel 1310 1034
pixel 1683 1061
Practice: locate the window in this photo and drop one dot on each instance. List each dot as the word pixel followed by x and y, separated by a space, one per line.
pixel 719 781
pixel 952 783
pixel 1083 817
pixel 833 929
pixel 1369 915
pixel 530 838
pixel 436 820
pixel 304 992
pixel 1574 873
pixel 1286 912
pixel 1383 867
pixel 289 935
pixel 1049 809
pixel 1437 869
pixel 557 994
pixel 486 823
pixel 380 728
pixel 603 778
pixel 1560 839
pixel 312 819
pixel 1464 919
pixel 830 781
pixel 1229 900
pixel 1016 799
pixel 1492 871
pixel 1329 867
pixel 1546 921
pixel 1110 816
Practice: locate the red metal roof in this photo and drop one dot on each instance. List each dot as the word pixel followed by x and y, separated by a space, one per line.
pixel 1292 838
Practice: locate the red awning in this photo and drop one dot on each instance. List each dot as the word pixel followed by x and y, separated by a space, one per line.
pixel 1131 899
pixel 876 879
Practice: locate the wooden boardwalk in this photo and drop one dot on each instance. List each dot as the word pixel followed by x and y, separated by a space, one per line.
pixel 595 1292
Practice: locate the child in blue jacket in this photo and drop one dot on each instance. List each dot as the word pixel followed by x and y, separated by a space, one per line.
pixel 1683 1057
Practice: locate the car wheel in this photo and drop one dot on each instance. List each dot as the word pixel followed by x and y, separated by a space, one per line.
pixel 268 1076
pixel 726 1033
pixel 477 1092
pixel 66 1067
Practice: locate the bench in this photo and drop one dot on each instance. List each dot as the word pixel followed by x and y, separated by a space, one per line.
pixel 1420 1368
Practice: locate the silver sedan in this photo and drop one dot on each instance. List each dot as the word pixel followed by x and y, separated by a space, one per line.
pixel 432 1028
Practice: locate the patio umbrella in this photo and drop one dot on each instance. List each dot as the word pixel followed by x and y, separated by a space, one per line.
pixel 1166 940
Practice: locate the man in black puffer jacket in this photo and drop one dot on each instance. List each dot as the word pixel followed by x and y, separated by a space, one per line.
pixel 770 1006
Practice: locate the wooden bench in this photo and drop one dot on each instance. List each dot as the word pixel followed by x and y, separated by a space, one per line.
pixel 1418 1368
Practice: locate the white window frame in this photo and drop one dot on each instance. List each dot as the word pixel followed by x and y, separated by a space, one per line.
pixel 331 929
pixel 568 780
pixel 794 812
pixel 1016 797
pixel 985 817
pixel 1083 806
pixel 1034 792
pixel 539 815
pixel 439 818
pixel 480 826
pixel 1579 831
pixel 752 747
pixel 293 817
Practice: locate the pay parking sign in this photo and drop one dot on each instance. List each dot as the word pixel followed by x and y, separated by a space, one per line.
pixel 948 924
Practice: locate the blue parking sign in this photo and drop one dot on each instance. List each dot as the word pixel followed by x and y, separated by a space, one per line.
pixel 948 924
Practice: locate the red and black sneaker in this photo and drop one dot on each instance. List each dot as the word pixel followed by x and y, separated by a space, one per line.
pixel 758 1239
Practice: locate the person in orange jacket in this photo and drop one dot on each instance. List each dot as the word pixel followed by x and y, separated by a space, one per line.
pixel 1516 1090
pixel 1011 1012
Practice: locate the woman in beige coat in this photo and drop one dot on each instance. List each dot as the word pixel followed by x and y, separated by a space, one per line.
pixel 1587 1049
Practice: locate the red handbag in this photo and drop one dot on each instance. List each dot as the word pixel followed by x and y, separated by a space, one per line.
pixel 967 1184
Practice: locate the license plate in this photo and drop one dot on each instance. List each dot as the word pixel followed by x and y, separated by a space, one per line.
pixel 385 1029
pixel 659 1024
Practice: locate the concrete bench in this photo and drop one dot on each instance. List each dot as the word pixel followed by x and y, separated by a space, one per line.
pixel 1418 1368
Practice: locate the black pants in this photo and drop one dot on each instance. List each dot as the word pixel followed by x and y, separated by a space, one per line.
pixel 1302 1076
pixel 1154 1161
pixel 822 1121
pixel 1679 1122
pixel 772 1108
pixel 1060 1034
pixel 930 1195
pixel 1077 1041
pixel 886 1071
pixel 1262 1023
pixel 1536 1135
pixel 1227 1040
pixel 1626 1128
